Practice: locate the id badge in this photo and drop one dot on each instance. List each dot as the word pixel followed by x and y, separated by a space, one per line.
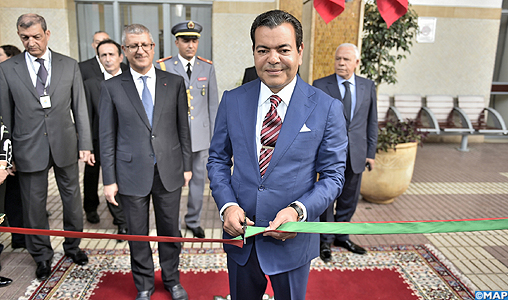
pixel 45 101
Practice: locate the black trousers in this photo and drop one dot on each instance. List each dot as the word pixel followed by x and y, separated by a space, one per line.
pixel 344 207
pixel 91 196
pixel 14 207
pixel 34 194
pixel 167 207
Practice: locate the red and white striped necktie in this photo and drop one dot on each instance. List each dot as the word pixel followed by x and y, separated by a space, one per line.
pixel 272 124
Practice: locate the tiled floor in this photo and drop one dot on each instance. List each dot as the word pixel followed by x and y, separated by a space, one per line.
pixel 447 184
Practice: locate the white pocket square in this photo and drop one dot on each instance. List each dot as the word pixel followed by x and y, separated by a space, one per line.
pixel 305 128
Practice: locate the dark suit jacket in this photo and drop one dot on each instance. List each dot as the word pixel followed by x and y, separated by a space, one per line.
pixel 362 131
pixel 93 94
pixel 312 140
pixel 128 142
pixel 249 75
pixel 90 68
pixel 36 132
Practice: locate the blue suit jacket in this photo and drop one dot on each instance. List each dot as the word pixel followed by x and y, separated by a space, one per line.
pixel 291 175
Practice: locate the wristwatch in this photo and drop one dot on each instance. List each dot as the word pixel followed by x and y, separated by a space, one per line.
pixel 298 209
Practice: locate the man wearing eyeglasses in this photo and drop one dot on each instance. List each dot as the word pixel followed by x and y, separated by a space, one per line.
pixel 145 150
pixel 203 100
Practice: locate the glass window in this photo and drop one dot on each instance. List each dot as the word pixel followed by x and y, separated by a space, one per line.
pixel 158 17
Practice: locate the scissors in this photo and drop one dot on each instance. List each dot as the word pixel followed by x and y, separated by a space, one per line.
pixel 244 227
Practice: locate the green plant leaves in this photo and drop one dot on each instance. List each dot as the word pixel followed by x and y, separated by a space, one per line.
pixel 382 48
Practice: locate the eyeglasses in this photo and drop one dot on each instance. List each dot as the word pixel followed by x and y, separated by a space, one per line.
pixel 134 48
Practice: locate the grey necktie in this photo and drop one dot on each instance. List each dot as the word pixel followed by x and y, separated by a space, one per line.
pixel 347 101
pixel 42 76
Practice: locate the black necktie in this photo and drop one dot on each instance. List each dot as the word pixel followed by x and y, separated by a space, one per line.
pixel 42 76
pixel 347 101
pixel 189 72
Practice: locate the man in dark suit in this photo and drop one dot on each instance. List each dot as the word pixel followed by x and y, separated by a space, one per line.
pixel 281 133
pixel 92 67
pixel 110 55
pixel 360 109
pixel 146 151
pixel 43 105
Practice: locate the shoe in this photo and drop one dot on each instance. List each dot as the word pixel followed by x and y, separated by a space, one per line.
pixel 144 295
pixel 121 230
pixel 79 258
pixel 15 245
pixel 4 281
pixel 43 270
pixel 178 292
pixel 325 252
pixel 347 244
pixel 93 217
pixel 197 231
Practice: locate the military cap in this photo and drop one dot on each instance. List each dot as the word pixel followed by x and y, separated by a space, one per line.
pixel 188 29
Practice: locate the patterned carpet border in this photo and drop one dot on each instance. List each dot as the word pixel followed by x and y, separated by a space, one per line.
pixel 425 270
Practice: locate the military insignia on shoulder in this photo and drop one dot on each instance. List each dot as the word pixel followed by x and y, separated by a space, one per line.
pixel 204 59
pixel 164 59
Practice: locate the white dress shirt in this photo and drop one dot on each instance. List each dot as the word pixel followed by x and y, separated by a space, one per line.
pixel 33 66
pixel 185 62
pixel 108 76
pixel 264 106
pixel 150 82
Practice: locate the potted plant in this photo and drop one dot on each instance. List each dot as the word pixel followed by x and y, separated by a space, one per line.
pixel 382 47
pixel 394 163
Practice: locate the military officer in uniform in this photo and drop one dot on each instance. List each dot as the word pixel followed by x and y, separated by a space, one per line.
pixel 203 100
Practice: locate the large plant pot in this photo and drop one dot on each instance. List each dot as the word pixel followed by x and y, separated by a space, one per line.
pixel 391 175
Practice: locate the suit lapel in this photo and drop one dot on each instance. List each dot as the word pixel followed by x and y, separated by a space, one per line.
pixel 161 86
pixel 248 120
pixel 360 91
pixel 300 107
pixel 22 71
pixel 333 87
pixel 132 94
pixel 57 69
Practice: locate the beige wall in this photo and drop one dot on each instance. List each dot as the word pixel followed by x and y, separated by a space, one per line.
pixel 459 62
pixel 60 17
pixel 232 47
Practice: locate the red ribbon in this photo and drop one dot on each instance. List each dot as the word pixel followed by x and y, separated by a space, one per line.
pixel 137 238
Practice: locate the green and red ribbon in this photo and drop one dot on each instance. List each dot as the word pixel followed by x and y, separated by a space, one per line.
pixel 402 227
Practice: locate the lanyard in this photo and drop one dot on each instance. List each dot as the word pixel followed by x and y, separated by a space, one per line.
pixel 36 71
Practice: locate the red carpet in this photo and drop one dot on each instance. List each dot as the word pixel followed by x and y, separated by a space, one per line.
pixel 397 272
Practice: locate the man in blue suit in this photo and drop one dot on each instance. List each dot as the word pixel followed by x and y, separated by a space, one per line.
pixel 281 133
pixel 359 96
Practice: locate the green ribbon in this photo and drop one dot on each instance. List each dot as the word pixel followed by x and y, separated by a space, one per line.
pixel 410 227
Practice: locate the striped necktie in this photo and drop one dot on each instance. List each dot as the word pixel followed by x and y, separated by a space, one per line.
pixel 272 124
